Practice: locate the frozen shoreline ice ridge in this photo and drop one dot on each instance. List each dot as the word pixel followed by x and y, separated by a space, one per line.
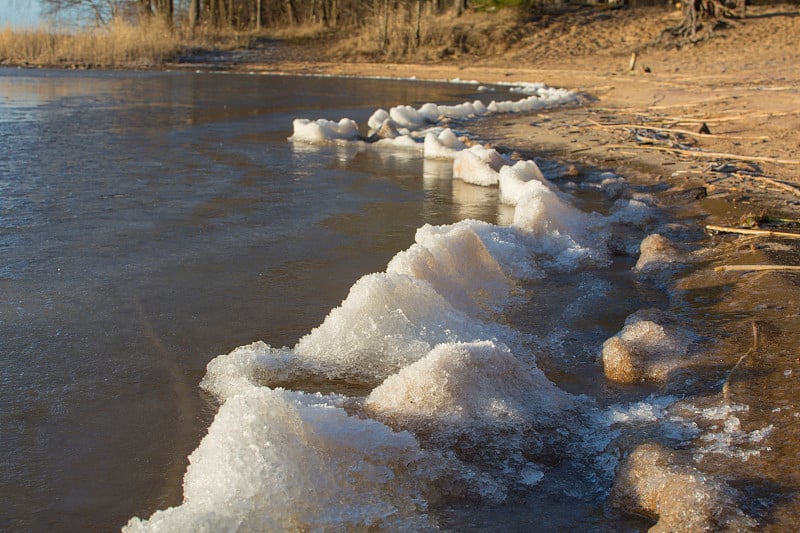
pixel 453 399
pixel 415 123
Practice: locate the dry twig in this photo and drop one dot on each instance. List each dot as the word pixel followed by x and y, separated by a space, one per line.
pixel 711 155
pixel 759 232
pixel 776 183
pixel 747 268
pixel 673 130
pixel 727 385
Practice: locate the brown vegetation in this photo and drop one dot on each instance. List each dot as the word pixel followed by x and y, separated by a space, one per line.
pixel 118 44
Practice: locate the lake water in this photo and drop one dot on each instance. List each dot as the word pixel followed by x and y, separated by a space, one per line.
pixel 150 222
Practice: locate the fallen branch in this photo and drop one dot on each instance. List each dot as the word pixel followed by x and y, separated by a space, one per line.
pixel 776 183
pixel 747 268
pixel 730 118
pixel 759 232
pixel 711 155
pixel 673 130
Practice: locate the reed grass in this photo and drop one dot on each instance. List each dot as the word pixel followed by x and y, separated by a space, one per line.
pixel 120 43
pixel 440 35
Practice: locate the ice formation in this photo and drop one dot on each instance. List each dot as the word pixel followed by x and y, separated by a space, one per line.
pixel 646 349
pixel 274 460
pixel 652 482
pixel 449 400
pixel 477 399
pixel 513 180
pixel 656 253
pixel 315 131
pixel 416 123
pixel 478 165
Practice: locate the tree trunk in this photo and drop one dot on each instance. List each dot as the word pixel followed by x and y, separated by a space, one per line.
pixel 385 44
pixel 417 29
pixel 291 12
pixel 194 14
pixel 165 11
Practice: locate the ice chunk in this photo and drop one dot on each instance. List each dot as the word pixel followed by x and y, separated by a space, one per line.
pixel 542 211
pixel 478 165
pixel 463 111
pixel 653 483
pixel 407 117
pixel 445 145
pixel 405 142
pixel 387 321
pixel 472 169
pixel 656 253
pixel 456 262
pixel 279 461
pixel 246 366
pixel 645 350
pixel 632 213
pixel 322 130
pixel 476 398
pixel 378 119
pixel 513 179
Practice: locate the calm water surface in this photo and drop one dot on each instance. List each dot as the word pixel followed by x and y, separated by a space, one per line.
pixel 151 221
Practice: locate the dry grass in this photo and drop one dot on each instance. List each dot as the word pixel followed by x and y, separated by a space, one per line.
pixel 118 44
pixel 441 36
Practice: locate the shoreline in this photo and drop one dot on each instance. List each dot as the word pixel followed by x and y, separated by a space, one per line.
pixel 627 125
pixel 750 319
pixel 752 325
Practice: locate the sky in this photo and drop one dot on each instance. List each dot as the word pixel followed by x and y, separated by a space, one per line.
pixel 19 13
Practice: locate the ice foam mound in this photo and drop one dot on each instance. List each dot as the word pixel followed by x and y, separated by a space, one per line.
pixel 315 131
pixel 256 364
pixel 388 321
pixel 457 263
pixel 653 482
pixel 479 165
pixel 478 399
pixel 513 180
pixel 648 348
pixel 442 145
pixel 275 460
pixel 656 254
pixel 559 230
pixel 435 396
pixel 405 120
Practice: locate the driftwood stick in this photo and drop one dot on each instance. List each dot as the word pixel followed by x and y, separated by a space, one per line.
pixel 711 155
pixel 726 387
pixel 673 130
pixel 746 268
pixel 759 232
pixel 729 118
pixel 776 183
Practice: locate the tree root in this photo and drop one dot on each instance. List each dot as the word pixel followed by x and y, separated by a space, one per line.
pixel 700 19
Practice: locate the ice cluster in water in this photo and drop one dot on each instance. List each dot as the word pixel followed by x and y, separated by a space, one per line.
pixel 454 404
pixel 648 348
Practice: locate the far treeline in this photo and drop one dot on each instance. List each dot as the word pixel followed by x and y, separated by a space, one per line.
pixel 337 14
pixel 146 33
pixel 243 14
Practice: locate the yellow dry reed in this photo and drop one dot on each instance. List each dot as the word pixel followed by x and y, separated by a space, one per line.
pixel 118 44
